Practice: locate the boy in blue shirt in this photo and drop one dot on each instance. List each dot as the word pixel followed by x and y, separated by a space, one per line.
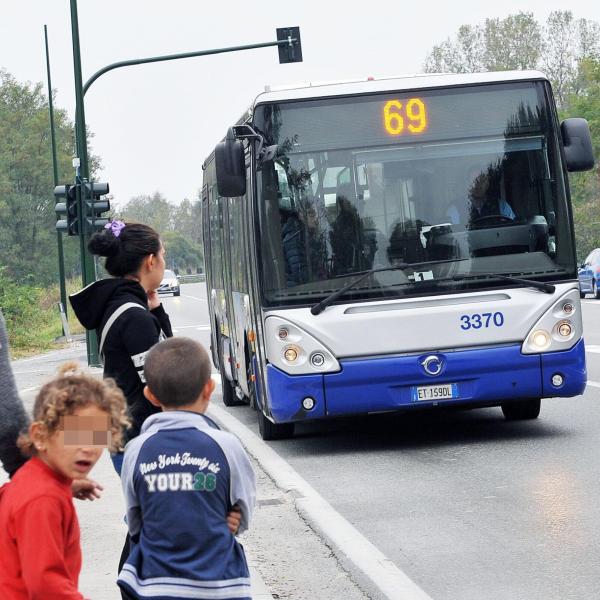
pixel 181 477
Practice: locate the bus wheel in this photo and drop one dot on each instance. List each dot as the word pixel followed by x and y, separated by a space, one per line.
pixel 273 431
pixel 522 409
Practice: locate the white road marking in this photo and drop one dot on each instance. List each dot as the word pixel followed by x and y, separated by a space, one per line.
pixel 29 389
pixel 48 355
pixel 593 383
pixel 198 327
pixel 592 348
pixel 383 573
pixel 195 298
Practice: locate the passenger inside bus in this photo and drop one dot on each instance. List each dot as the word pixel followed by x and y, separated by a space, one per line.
pixel 352 249
pixel 485 200
pixel 294 247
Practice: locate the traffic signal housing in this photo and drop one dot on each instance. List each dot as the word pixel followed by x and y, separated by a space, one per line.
pixel 292 51
pixel 94 206
pixel 67 209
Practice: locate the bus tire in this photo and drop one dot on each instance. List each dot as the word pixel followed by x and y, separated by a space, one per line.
pixel 522 409
pixel 273 431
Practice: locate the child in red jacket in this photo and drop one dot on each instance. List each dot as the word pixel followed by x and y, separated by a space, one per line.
pixel 75 416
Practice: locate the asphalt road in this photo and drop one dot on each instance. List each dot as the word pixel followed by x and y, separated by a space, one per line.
pixel 466 504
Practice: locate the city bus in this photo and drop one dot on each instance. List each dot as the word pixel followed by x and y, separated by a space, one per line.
pixel 395 244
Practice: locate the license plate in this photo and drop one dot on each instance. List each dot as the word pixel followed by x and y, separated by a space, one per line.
pixel 444 391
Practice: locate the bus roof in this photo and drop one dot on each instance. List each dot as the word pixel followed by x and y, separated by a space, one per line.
pixel 397 83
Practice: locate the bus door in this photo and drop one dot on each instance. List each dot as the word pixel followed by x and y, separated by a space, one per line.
pixel 209 272
pixel 227 348
pixel 237 286
pixel 253 334
pixel 217 288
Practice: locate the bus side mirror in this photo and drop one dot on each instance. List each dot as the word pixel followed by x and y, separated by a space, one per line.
pixel 577 143
pixel 230 165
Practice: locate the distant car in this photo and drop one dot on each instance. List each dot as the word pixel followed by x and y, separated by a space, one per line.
pixel 169 284
pixel 589 275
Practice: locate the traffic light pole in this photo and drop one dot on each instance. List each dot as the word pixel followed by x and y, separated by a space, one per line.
pixel 290 50
pixel 88 267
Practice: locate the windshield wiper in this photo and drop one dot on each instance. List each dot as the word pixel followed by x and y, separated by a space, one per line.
pixel 323 304
pixel 548 288
pixel 318 308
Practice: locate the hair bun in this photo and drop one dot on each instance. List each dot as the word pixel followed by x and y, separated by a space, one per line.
pixel 104 243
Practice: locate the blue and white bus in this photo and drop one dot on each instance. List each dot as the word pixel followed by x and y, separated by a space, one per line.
pixel 393 244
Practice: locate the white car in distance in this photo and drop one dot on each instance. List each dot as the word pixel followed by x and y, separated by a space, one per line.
pixel 169 284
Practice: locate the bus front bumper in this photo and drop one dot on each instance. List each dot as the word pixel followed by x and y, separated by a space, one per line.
pixel 476 377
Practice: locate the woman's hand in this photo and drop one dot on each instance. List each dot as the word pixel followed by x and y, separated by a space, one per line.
pixel 153 299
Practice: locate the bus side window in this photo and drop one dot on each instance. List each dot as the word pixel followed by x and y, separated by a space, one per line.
pixel 271 194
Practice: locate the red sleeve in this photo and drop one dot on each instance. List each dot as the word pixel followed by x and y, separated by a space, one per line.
pixel 40 542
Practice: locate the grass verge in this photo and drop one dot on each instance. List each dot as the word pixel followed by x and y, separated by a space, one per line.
pixel 32 317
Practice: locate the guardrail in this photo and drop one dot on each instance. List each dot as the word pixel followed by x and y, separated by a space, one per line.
pixel 192 278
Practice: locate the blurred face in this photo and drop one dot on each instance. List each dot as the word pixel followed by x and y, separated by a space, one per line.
pixel 76 446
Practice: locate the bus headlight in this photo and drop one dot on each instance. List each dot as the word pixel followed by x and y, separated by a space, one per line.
pixel 291 354
pixel 564 329
pixel 295 351
pixel 554 331
pixel 540 339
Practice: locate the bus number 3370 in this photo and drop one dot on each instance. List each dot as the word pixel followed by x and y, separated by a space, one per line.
pixel 479 320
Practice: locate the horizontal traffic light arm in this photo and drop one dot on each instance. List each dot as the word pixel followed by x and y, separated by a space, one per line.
pixel 293 42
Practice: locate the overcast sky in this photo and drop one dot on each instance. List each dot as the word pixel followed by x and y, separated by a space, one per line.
pixel 155 124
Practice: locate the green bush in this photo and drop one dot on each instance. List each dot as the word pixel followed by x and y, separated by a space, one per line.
pixel 32 316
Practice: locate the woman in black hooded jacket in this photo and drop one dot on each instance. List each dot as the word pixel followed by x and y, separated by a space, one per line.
pixel 125 311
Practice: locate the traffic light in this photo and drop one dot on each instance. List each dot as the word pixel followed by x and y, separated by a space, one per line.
pixel 94 207
pixel 292 51
pixel 67 209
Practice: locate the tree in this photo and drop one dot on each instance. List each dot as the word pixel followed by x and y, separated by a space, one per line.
pixel 155 211
pixel 557 47
pixel 585 187
pixel 500 44
pixel 183 219
pixel 27 217
pixel 181 253
pixel 511 43
pixel 164 216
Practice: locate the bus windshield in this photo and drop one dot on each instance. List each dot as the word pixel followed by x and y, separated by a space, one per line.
pixel 468 180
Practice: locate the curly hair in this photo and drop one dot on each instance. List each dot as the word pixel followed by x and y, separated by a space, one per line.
pixel 73 389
